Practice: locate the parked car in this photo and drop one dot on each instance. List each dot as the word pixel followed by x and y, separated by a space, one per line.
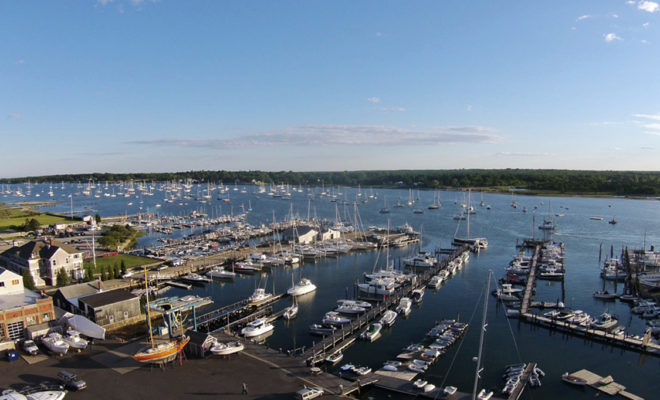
pixel 30 347
pixel 71 380
pixel 307 393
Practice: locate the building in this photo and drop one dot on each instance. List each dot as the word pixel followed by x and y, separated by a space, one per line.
pixel 44 259
pixel 329 234
pixel 300 234
pixel 110 308
pixel 20 307
pixel 67 297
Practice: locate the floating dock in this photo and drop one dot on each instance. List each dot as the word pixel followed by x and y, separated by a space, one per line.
pixel 605 384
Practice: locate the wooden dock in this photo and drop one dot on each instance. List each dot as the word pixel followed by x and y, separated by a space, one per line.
pixel 605 384
pixel 232 314
pixel 531 282
pixel 520 388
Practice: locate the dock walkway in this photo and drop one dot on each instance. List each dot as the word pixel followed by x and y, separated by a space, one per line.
pixel 605 384
pixel 531 282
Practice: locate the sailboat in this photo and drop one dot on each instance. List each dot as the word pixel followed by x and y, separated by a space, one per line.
pixel 163 352
pixel 436 202
pixel 478 243
pixel 483 395
pixel 291 311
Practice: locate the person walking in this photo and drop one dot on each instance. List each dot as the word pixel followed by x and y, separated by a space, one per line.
pixel 245 391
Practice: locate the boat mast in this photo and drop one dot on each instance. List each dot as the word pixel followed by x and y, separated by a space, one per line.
pixel 481 337
pixel 468 213
pixel 146 293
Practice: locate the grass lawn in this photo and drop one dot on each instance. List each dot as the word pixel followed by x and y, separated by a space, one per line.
pixel 14 217
pixel 129 260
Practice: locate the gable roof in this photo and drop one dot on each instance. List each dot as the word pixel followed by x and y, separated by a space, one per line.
pixel 39 249
pixel 105 298
pixel 78 290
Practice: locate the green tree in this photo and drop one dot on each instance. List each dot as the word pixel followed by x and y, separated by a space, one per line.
pixel 104 273
pixel 28 281
pixel 97 218
pixel 63 278
pixel 89 274
pixel 123 267
pixel 31 225
pixel 116 271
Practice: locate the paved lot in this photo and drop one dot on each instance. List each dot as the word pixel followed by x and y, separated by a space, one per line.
pixel 211 378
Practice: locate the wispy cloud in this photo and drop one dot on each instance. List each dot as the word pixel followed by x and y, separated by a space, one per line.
pixel 373 99
pixel 14 116
pixel 393 109
pixel 341 135
pixel 655 117
pixel 647 148
pixel 21 61
pixel 614 15
pixel 468 107
pixel 520 154
pixel 645 25
pixel 648 6
pixel 611 37
pixel 104 2
pixel 583 17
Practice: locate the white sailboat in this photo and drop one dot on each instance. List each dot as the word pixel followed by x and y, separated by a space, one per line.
pixel 480 243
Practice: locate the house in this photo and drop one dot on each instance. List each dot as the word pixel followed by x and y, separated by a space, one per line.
pixel 20 307
pixel 110 308
pixel 44 259
pixel 300 234
pixel 200 343
pixel 67 297
pixel 329 234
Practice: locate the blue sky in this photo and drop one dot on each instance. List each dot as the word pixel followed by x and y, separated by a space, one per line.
pixel 126 86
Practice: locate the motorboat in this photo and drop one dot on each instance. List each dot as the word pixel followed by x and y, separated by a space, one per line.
pixel 257 327
pixel 11 394
pixel 388 318
pixel 318 329
pixel 404 306
pixel 226 348
pixel 372 332
pixel 221 273
pixel 573 380
pixel 73 339
pixel 44 392
pixel 605 295
pixel 449 390
pixel 304 286
pixel 335 357
pixel 53 342
pixel 421 259
pixel 161 352
pixel 348 308
pixel 364 304
pixel 333 318
pixel 434 282
pixel 194 278
pixel 361 371
pixel 483 395
pixel 420 383
pixel 259 297
pixel 604 322
pixel 417 295
pixel 379 287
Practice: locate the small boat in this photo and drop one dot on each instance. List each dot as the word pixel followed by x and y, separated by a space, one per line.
pixel 361 371
pixel 318 329
pixel 404 306
pixel 290 312
pixel 596 218
pixel 348 308
pixel 417 295
pixel 359 303
pixel 333 318
pixel 225 349
pixel 194 278
pixel 11 394
pixel 372 333
pixel 257 327
pixel 449 390
pixel 483 395
pixel 388 318
pixel 605 295
pixel 44 392
pixel 335 357
pixel 434 282
pixel 573 380
pixel 53 342
pixel 162 352
pixel 347 367
pixel 73 339
pixel 420 383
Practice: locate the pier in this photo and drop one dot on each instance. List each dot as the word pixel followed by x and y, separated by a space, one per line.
pixel 234 314
pixel 531 281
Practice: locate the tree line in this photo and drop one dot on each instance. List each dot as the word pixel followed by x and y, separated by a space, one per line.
pixel 630 183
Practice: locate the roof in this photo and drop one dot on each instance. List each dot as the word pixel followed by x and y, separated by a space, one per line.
pixel 38 249
pixel 105 298
pixel 78 290
pixel 23 298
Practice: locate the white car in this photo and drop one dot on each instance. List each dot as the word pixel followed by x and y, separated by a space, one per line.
pixel 30 347
pixel 307 393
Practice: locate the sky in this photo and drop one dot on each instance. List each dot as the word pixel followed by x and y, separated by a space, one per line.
pixel 163 86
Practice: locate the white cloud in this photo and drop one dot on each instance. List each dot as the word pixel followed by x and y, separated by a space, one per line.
pixel 393 109
pixel 653 127
pixel 340 135
pixel 645 25
pixel 469 107
pixel 654 117
pixel 373 99
pixel 630 2
pixel 105 2
pixel 647 148
pixel 610 37
pixel 648 6
pixel 520 154
pixel 21 61
pixel 14 116
pixel 614 15
pixel 644 41
pixel 583 17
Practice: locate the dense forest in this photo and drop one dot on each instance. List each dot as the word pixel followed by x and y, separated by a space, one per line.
pixel 624 183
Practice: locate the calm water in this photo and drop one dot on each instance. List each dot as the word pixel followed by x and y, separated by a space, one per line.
pixel 506 341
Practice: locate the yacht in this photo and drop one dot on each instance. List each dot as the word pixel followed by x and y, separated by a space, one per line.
pixel 604 322
pixel 221 273
pixel 257 327
pixel 259 297
pixel 318 329
pixel 421 259
pixel 304 286
pixel 194 278
pixel 53 342
pixel 364 304
pixel 380 287
pixel 434 282
pixel 333 318
pixel 348 308
pixel 404 306
pixel 417 295
pixel 373 332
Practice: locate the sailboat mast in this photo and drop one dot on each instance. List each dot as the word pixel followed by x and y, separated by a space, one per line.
pixel 468 213
pixel 481 337
pixel 146 294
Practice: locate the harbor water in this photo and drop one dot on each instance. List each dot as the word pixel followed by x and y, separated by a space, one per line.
pixel 507 341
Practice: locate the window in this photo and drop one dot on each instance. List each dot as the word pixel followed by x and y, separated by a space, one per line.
pixel 46 317
pixel 15 282
pixel 54 262
pixel 30 320
pixel 2 284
